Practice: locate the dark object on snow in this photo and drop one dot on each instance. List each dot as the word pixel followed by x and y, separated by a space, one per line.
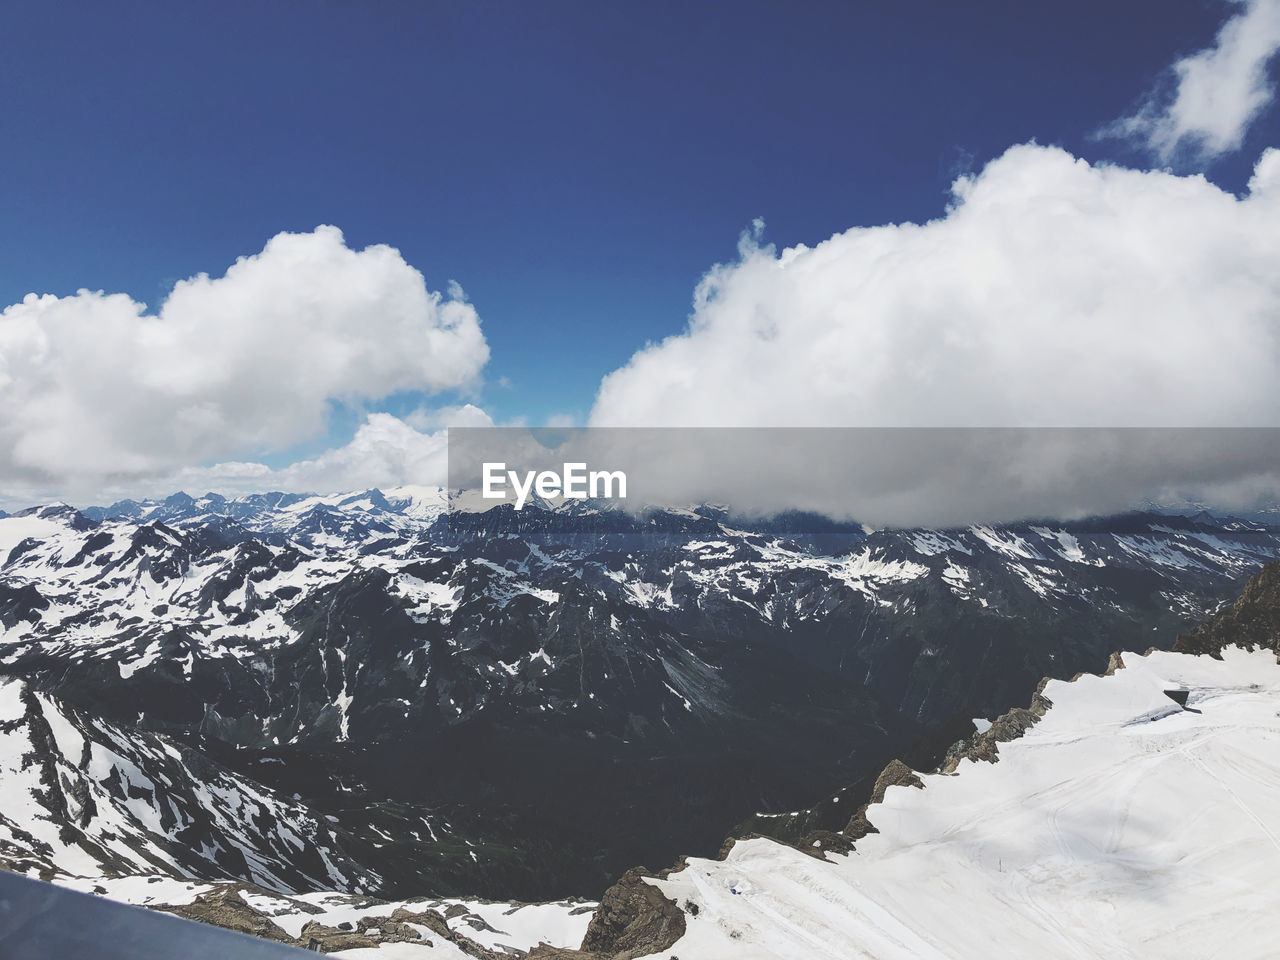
pixel 1178 696
pixel 39 921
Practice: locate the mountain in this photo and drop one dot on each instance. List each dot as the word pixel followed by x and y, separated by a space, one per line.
pixel 144 819
pixel 89 798
pixel 1119 823
pixel 1252 620
pixel 524 706
pixel 1168 761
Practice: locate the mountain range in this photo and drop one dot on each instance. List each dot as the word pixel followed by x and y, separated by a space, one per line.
pixel 363 693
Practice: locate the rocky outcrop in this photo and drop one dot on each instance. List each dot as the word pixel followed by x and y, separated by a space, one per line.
pixel 325 939
pixel 634 919
pixel 224 907
pixel 1252 621
pixel 1008 726
pixel 896 774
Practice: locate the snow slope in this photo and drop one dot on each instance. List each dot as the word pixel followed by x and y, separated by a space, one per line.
pixel 1119 826
pixel 85 798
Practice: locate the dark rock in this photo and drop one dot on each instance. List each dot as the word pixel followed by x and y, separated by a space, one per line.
pixel 331 939
pixel 1252 621
pixel 634 919
pixel 896 774
pixel 225 908
pixel 1008 726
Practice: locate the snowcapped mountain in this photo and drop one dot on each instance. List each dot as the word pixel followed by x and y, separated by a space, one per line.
pixel 1120 824
pixel 87 798
pixel 524 706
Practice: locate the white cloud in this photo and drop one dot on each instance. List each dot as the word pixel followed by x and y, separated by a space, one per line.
pixel 385 451
pixel 96 391
pixel 465 415
pixel 1052 292
pixel 1218 92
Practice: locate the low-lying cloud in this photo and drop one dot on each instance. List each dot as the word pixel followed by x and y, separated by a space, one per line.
pixel 892 477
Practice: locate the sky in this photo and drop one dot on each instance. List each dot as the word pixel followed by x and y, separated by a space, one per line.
pixel 837 214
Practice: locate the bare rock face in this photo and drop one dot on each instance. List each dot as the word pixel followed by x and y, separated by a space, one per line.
pixel 324 939
pixel 896 774
pixel 431 919
pixel 1252 621
pixel 1009 726
pixel 224 907
pixel 634 919
pixel 1114 662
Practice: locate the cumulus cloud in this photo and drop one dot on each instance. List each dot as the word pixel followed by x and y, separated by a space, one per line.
pixel 96 390
pixel 385 451
pixel 1052 293
pixel 1216 93
pixel 465 415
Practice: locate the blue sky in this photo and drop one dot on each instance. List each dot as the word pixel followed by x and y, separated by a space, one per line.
pixel 576 167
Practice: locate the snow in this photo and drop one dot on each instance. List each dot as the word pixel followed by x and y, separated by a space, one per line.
pixel 1035 581
pixel 930 543
pixel 1006 542
pixel 431 598
pixel 122 601
pixel 1068 546
pixel 684 701
pixel 440 949
pixel 142 889
pixel 13 530
pixel 495 925
pixel 862 567
pixel 524 926
pixel 129 797
pixel 420 503
pixel 1119 826
pixel 958 579
pixel 510 586
pixel 1155 551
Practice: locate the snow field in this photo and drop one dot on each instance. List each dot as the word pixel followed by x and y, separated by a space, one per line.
pixel 1119 826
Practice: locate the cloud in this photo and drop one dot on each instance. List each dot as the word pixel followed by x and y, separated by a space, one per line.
pixel 895 477
pixel 385 451
pixel 1052 293
pixel 466 415
pixel 96 391
pixel 1217 92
